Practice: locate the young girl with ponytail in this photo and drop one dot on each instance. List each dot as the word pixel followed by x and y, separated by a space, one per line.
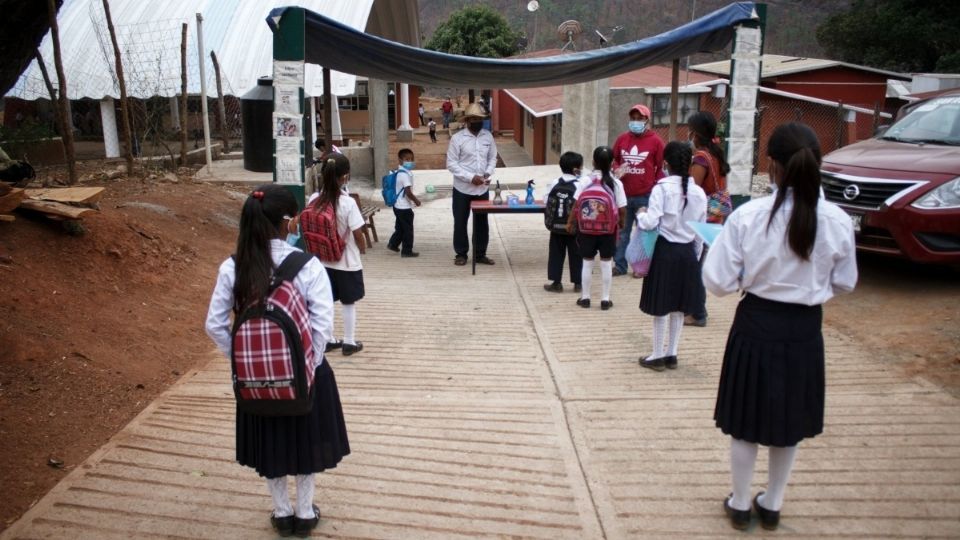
pixel 672 287
pixel 281 446
pixel 789 254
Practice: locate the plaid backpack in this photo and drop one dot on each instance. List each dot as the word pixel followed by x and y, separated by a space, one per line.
pixel 596 209
pixel 272 357
pixel 318 225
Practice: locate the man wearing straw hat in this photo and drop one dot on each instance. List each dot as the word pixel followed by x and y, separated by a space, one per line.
pixel 471 158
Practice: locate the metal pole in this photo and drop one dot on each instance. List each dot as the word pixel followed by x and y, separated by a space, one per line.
pixel 674 98
pixel 203 94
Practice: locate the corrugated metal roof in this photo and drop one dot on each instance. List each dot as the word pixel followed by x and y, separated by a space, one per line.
pixel 775 65
pixel 148 33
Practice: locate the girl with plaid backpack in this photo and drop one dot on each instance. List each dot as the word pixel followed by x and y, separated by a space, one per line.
pixel 280 446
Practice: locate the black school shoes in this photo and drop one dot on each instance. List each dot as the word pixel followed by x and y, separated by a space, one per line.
pixel 303 527
pixel 769 519
pixel 283 525
pixel 739 519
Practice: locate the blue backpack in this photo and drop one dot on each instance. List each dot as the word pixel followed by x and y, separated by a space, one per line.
pixel 389 189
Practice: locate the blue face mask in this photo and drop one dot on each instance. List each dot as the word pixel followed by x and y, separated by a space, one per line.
pixel 637 126
pixel 292 239
pixel 409 165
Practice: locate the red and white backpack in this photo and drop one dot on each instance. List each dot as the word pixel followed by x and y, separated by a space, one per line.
pixel 596 210
pixel 318 225
pixel 272 356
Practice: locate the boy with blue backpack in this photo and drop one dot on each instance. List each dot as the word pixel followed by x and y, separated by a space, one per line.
pixel 403 203
pixel 559 205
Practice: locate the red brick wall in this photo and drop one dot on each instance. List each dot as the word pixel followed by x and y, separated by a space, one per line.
pixel 506 111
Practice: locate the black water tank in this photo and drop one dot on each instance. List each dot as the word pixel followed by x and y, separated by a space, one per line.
pixel 256 107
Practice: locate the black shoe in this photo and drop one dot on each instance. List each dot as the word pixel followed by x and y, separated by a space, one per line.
pixel 411 254
pixel 656 364
pixel 584 303
pixel 283 525
pixel 670 362
pixel 619 272
pixel 332 345
pixel 769 519
pixel 349 349
pixel 606 304
pixel 556 286
pixel 690 320
pixel 739 519
pixel 460 260
pixel 485 260
pixel 577 287
pixel 393 248
pixel 302 527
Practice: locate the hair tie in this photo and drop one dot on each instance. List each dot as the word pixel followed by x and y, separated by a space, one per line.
pixel 331 161
pixel 258 195
pixel 715 140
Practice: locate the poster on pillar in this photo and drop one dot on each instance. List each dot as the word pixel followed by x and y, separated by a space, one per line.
pixel 286 99
pixel 289 170
pixel 287 125
pixel 288 72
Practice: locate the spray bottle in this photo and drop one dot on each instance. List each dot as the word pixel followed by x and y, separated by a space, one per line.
pixel 529 192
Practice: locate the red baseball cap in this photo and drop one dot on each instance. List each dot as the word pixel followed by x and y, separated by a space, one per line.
pixel 640 108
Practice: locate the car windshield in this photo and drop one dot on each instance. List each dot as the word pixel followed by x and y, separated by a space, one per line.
pixel 935 122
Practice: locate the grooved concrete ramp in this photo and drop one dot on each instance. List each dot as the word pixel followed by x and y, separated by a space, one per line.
pixel 483 406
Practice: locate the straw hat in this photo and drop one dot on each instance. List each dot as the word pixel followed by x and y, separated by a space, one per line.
pixel 474 110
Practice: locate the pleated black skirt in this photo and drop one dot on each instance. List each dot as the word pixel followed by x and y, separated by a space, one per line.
pixel 673 282
pixel 772 382
pixel 290 445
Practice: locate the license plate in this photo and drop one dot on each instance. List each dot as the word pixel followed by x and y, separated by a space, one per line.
pixel 857 219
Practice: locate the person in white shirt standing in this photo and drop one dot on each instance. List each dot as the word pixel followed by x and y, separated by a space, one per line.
pixel 789 253
pixel 402 238
pixel 673 286
pixel 471 158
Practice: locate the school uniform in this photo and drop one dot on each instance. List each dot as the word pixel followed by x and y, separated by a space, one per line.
pixel 604 245
pixel 288 445
pixel 403 212
pixel 673 282
pixel 346 275
pixel 563 245
pixel 772 382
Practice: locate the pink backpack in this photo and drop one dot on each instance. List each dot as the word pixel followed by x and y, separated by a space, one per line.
pixel 272 357
pixel 597 212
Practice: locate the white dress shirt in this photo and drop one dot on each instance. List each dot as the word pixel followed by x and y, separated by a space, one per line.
pixel 312 282
pixel 747 256
pixel 404 180
pixel 469 155
pixel 665 210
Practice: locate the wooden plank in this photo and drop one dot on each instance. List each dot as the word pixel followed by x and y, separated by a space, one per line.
pixel 7 217
pixel 52 208
pixel 80 195
pixel 12 199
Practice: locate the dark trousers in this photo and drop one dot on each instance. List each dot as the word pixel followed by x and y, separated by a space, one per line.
pixel 481 229
pixel 562 245
pixel 433 135
pixel 402 230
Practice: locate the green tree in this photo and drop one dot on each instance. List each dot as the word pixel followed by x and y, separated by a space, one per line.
pixel 899 35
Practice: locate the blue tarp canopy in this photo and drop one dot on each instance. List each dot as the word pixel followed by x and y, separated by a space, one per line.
pixel 341 48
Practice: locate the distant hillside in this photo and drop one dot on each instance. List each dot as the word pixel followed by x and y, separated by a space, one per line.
pixel 791 27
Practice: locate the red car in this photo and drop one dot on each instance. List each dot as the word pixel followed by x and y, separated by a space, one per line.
pixel 902 188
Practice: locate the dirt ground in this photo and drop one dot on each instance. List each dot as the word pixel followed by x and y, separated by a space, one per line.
pixel 93 327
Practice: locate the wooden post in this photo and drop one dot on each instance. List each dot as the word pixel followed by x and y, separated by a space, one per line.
pixel 50 90
pixel 183 95
pixel 327 109
pixel 674 99
pixel 66 124
pixel 124 103
pixel 221 109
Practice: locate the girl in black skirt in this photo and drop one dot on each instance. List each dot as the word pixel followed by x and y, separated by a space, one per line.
pixel 277 447
pixel 789 254
pixel 672 287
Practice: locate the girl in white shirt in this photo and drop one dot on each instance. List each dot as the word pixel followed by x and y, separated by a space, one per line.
pixel 672 287
pixel 281 446
pixel 789 254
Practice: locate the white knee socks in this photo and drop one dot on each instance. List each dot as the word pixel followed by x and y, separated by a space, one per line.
pixel 781 463
pixel 743 456
pixel 586 278
pixel 676 325
pixel 305 489
pixel 659 332
pixel 281 500
pixel 606 274
pixel 350 324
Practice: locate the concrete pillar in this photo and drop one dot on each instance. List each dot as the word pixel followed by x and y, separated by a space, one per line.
pixel 379 130
pixel 404 131
pixel 108 119
pixel 744 86
pixel 175 113
pixel 586 117
pixel 335 118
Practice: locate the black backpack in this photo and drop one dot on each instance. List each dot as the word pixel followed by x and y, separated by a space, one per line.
pixel 559 205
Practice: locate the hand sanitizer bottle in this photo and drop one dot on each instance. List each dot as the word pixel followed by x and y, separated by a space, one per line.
pixel 530 192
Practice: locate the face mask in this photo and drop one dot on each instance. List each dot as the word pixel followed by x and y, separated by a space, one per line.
pixel 692 144
pixel 475 127
pixel 409 165
pixel 636 126
pixel 666 170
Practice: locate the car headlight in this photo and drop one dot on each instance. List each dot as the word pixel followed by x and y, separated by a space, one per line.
pixel 945 196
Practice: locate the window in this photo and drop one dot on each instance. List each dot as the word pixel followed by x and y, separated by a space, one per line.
pixel 689 104
pixel 556 132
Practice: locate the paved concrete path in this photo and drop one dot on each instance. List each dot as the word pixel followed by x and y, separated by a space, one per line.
pixel 483 406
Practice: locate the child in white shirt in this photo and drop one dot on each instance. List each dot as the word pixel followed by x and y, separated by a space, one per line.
pixel 402 239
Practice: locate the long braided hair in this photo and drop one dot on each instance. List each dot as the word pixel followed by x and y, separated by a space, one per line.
pixel 334 167
pixel 795 148
pixel 261 220
pixel 678 157
pixel 603 162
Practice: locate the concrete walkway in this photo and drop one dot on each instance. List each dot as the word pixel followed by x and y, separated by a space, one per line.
pixel 483 406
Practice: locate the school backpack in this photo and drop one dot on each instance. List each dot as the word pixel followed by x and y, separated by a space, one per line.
pixel 559 204
pixel 272 356
pixel 389 189
pixel 596 209
pixel 318 225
